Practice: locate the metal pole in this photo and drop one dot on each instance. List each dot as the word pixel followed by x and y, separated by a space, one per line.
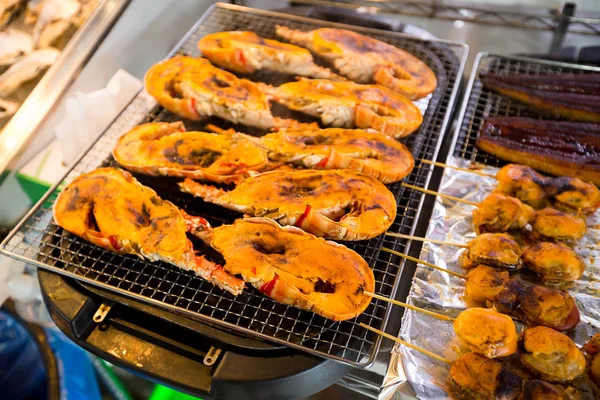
pixel 564 14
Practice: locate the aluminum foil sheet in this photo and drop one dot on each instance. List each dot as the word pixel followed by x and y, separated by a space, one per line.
pixel 413 374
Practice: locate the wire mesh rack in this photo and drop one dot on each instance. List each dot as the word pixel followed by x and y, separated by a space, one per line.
pixel 37 240
pixel 549 19
pixel 481 103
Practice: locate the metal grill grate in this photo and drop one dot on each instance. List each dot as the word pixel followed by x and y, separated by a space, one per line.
pixel 482 103
pixel 39 241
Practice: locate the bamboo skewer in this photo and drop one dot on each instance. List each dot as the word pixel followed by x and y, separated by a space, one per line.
pixel 420 239
pixel 410 307
pixel 412 346
pixel 424 263
pixel 439 164
pixel 446 196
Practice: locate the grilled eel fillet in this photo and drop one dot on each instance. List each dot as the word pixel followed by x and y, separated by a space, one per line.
pixel 554 147
pixel 367 60
pixel 246 52
pixel 573 97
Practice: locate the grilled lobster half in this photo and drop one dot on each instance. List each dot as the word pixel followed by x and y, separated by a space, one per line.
pixel 335 204
pixel 109 208
pixel 161 148
pixel 372 154
pixel 194 88
pixel 294 267
pixel 246 52
pixel 349 105
pixel 367 60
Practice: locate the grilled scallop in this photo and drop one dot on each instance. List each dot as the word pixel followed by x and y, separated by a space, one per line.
pixel 551 355
pixel 476 377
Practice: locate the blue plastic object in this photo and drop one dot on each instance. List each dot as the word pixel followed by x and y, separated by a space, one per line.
pixel 75 369
pixel 22 370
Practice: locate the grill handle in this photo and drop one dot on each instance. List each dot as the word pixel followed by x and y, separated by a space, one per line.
pixel 174 355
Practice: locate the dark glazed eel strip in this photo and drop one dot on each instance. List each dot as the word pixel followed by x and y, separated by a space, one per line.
pixel 554 147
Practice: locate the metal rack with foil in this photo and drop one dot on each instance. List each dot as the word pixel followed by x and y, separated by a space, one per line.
pixel 39 241
pixel 410 371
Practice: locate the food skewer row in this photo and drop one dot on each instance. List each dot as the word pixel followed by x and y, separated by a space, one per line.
pixel 535 305
pixel 532 188
pixel 546 358
pixel 552 262
pixel 483 330
pixel 500 213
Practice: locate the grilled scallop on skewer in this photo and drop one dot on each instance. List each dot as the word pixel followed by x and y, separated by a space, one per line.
pixel 500 213
pixel 553 263
pixel 534 305
pixel 482 330
pixel 532 188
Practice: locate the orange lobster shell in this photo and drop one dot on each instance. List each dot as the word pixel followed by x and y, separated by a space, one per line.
pixel 111 209
pixel 295 268
pixel 349 105
pixel 367 60
pixel 194 89
pixel 334 204
pixel 246 52
pixel 161 148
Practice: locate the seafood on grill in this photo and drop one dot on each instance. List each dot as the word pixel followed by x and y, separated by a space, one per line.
pixel 532 188
pixel 553 147
pixel 367 60
pixel 9 10
pixel 551 355
pixel 535 305
pixel 14 44
pixel 349 105
pixel 372 154
pixel 161 148
pixel 499 250
pixel 553 263
pixel 25 69
pixel 246 52
pixel 195 89
pixel 474 376
pixel 111 209
pixel 574 97
pixel 334 204
pixel 592 349
pixel 486 331
pixel 500 213
pixel 294 267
